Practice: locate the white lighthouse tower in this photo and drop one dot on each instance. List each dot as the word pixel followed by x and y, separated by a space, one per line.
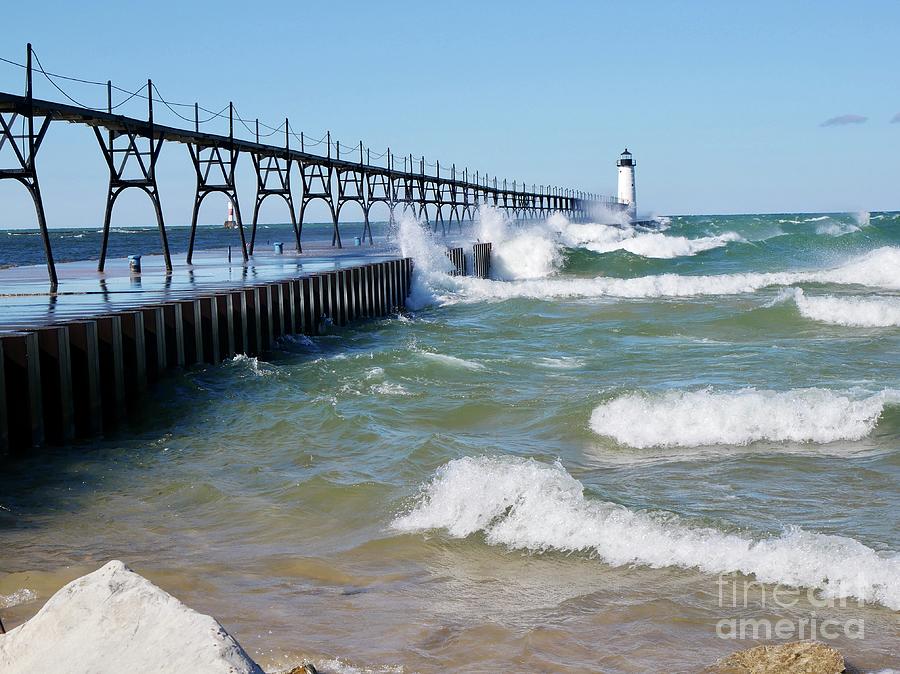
pixel 627 196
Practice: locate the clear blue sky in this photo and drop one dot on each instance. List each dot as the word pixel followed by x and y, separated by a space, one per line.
pixel 721 102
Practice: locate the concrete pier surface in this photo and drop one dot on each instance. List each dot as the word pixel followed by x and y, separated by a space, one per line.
pixel 73 361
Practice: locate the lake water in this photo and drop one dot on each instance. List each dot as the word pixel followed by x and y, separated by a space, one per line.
pixel 623 449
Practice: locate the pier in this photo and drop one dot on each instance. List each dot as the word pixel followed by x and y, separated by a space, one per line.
pixel 75 357
pixel 72 364
pixel 337 174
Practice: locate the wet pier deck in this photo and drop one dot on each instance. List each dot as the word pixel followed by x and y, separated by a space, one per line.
pixel 83 292
pixel 73 362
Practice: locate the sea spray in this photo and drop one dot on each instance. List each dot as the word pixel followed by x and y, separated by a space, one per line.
pixel 836 228
pixel 710 417
pixel 517 253
pixel 431 266
pixel 528 505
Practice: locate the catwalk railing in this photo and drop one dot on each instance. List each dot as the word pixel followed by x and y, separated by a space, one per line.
pixel 340 176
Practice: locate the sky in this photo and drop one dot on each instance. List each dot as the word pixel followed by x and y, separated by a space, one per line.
pixel 728 107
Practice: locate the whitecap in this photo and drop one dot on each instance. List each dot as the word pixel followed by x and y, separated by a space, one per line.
pixel 662 246
pixel 451 361
pixel 852 311
pixel 527 505
pixel 711 417
pixel 388 388
pixel 253 365
pixel 878 268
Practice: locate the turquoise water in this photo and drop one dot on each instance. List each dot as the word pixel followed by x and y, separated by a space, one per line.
pixel 559 468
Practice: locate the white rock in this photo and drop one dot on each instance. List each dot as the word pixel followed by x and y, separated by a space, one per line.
pixel 115 621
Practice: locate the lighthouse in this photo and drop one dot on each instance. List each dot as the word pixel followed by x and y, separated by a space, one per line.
pixel 229 221
pixel 626 183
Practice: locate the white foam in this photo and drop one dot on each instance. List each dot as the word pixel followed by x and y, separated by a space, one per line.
pixel 602 238
pixel 661 246
pixel 864 312
pixel 337 666
pixel 253 365
pixel 709 417
pixel 517 253
pixel 389 388
pixel 530 257
pixel 525 504
pixel 431 264
pixel 559 363
pixel 536 251
pixel 878 268
pixel 451 361
pixel 22 596
pixel 663 221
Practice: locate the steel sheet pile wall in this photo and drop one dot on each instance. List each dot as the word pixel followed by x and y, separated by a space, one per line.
pixel 481 253
pixel 458 258
pixel 64 382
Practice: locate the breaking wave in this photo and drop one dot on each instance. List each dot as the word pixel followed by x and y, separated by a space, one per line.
pixel 875 269
pixel 525 261
pixel 527 505
pixel 661 246
pixel 537 251
pixel 862 312
pixel 708 417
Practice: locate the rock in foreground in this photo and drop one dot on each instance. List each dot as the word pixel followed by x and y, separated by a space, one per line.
pixel 113 620
pixel 798 657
